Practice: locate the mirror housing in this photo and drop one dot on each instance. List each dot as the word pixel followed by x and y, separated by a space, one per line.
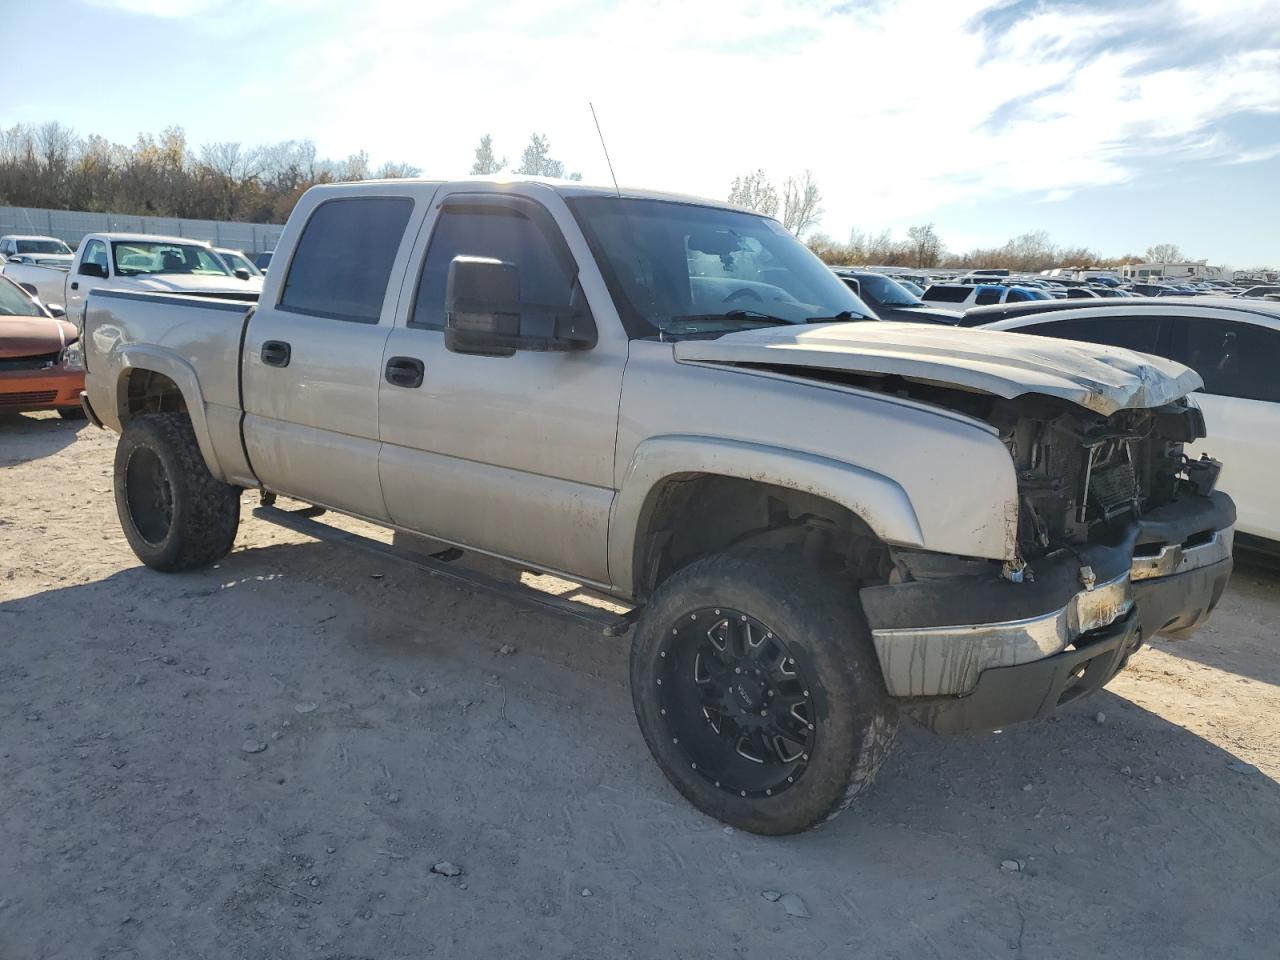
pixel 242 273
pixel 90 269
pixel 57 309
pixel 484 314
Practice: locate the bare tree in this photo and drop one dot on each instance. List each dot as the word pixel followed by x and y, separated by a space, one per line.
pixel 925 246
pixel 755 192
pixel 800 199
pixel 397 170
pixel 1164 253
pixel 486 161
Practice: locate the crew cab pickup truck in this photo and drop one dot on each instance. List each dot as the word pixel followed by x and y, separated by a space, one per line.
pixel 821 521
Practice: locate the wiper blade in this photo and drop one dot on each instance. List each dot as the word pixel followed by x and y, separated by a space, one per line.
pixel 844 316
pixel 748 315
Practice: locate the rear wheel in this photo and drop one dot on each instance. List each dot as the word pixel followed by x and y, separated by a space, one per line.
pixel 174 513
pixel 759 693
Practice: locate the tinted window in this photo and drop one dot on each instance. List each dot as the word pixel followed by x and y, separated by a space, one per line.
pixel 987 297
pixel 942 294
pixel 1233 359
pixel 547 275
pixel 343 261
pixel 1133 333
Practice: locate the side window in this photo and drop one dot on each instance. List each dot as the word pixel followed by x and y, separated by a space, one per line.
pixel 96 252
pixel 1233 359
pixel 547 272
pixel 344 257
pixel 985 298
pixel 1133 333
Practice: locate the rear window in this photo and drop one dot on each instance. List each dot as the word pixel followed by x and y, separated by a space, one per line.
pixel 344 258
pixel 1132 333
pixel 1233 359
pixel 942 294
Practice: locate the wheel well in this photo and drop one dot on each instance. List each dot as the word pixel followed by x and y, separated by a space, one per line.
pixel 146 391
pixel 694 515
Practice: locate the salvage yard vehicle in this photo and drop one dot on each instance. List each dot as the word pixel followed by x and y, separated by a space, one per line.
pixel 14 244
pixel 820 523
pixel 41 366
pixel 128 261
pixel 1235 347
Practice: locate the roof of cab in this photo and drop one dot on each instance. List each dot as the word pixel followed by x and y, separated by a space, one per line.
pixel 566 188
pixel 150 238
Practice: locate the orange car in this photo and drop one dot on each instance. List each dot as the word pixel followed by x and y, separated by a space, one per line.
pixel 41 366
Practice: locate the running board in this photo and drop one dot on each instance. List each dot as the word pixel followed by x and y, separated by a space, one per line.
pixel 303 521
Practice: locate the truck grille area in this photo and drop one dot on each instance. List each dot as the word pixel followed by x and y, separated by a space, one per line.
pixel 1080 475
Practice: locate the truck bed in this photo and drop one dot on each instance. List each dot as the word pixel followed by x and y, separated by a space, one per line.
pixel 193 340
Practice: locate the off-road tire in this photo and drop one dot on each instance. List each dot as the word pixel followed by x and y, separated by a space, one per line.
pixel 819 617
pixel 204 512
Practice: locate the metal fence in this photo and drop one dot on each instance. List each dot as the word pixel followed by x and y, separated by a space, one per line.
pixel 72 225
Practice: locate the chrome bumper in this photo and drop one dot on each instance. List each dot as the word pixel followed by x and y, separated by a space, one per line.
pixel 1173 587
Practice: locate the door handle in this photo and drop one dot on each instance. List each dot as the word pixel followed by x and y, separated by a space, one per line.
pixel 276 353
pixel 75 284
pixel 405 372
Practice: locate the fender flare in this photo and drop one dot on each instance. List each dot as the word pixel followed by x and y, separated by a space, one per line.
pixel 877 500
pixel 141 356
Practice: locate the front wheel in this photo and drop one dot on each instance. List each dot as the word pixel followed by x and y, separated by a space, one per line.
pixel 759 693
pixel 175 514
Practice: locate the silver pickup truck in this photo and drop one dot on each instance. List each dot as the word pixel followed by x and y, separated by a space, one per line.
pixel 822 520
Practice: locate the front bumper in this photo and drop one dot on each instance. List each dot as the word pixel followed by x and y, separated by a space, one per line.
pixel 47 388
pixel 943 652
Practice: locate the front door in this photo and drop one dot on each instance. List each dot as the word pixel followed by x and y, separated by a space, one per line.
pixel 312 358
pixel 507 455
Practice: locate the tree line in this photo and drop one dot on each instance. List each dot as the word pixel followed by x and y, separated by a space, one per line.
pixel 49 165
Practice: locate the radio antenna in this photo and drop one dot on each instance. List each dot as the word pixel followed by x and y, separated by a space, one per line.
pixel 604 148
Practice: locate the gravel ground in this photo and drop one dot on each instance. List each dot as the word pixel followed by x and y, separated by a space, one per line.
pixel 267 759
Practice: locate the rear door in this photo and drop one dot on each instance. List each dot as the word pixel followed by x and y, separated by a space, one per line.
pixel 507 455
pixel 312 358
pixel 1238 363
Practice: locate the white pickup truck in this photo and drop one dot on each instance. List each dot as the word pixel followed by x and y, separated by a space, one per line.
pixel 129 261
pixel 821 520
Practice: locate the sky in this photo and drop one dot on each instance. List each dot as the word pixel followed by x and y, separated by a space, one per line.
pixel 1112 125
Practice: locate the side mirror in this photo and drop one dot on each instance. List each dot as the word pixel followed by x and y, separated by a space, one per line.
pixel 91 269
pixel 242 273
pixel 484 314
pixel 57 309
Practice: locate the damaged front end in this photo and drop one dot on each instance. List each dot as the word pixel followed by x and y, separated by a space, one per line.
pixel 1120 537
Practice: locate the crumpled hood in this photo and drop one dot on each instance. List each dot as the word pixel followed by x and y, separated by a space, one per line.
pixel 1098 378
pixel 33 336
pixel 195 283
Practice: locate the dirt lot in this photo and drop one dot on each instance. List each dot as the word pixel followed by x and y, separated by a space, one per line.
pixel 134 823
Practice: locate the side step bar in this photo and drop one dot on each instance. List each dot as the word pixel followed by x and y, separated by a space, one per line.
pixel 303 521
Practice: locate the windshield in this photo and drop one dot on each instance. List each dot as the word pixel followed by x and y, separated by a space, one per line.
pixel 235 261
pixel 14 301
pixel 886 290
pixel 134 257
pixel 681 269
pixel 41 246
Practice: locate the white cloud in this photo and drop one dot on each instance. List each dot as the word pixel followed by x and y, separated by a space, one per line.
pixel 889 106
pixel 898 108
